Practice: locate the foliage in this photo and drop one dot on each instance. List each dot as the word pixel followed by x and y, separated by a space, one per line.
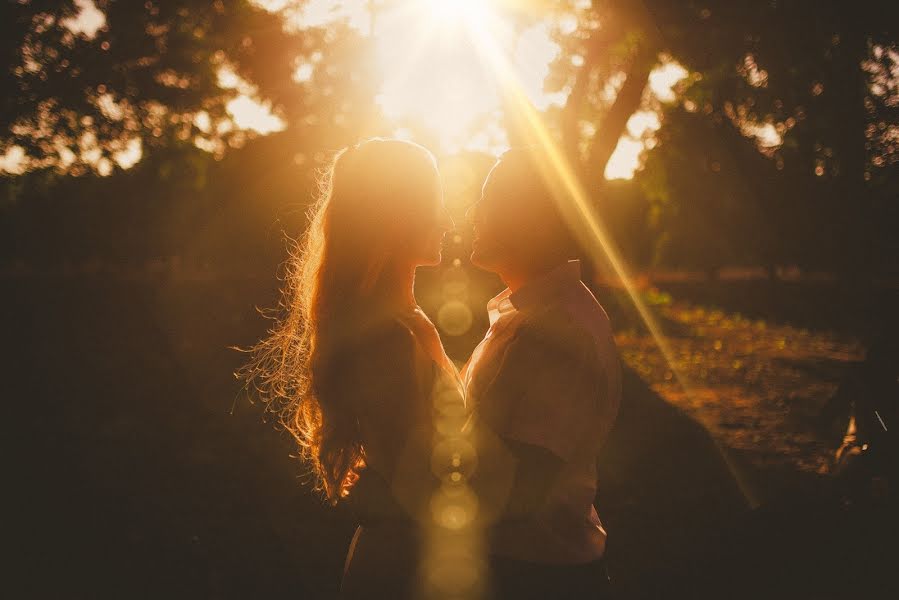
pixel 781 147
pixel 152 69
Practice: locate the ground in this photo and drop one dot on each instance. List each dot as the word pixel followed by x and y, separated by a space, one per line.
pixel 758 387
pixel 141 472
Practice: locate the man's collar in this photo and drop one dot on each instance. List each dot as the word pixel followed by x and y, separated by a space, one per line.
pixel 535 290
pixel 498 305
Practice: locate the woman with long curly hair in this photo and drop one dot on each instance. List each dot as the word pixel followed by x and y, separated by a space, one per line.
pixel 352 364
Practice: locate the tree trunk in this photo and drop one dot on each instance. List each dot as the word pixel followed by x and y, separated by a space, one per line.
pixel 614 124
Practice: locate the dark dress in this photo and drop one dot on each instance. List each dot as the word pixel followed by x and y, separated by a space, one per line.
pixel 394 379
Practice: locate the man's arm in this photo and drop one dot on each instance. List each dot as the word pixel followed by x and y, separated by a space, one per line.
pixel 547 390
pixel 536 469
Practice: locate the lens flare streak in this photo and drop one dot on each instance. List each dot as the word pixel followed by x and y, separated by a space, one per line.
pixel 579 211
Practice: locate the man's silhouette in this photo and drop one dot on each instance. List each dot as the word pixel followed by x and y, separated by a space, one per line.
pixel 546 382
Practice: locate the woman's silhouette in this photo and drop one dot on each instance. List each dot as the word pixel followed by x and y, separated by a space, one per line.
pixel 352 363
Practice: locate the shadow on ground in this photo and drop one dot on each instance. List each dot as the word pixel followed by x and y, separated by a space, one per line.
pixel 664 484
pixel 137 475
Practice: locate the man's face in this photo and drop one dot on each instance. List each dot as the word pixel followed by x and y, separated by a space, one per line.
pixel 501 225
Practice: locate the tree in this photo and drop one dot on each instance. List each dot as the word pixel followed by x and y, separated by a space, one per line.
pixel 153 72
pixel 810 86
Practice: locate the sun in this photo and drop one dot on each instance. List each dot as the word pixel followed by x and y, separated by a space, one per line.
pixel 437 64
pixel 455 12
pixel 435 78
pixel 432 75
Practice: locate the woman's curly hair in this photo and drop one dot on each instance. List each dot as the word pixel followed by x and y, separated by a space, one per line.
pixel 331 288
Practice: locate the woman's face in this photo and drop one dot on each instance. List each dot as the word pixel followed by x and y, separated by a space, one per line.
pixel 428 224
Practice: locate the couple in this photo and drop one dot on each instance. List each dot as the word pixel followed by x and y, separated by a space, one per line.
pixel 358 368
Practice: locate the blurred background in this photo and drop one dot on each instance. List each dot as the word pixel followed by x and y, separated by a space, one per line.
pixel 155 158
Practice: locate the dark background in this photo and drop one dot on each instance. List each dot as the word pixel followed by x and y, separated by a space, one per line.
pixel 138 468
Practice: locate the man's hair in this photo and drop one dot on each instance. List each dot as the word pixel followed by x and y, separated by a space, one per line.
pixel 524 171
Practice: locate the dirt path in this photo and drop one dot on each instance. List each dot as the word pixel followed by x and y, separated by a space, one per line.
pixel 758 387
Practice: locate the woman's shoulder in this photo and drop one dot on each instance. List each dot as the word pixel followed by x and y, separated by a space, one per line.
pixel 386 364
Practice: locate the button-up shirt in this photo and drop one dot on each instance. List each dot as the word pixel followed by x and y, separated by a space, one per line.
pixel 548 374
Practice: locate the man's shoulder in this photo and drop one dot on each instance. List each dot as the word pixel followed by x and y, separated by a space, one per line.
pixel 575 316
pixel 586 305
pixel 554 331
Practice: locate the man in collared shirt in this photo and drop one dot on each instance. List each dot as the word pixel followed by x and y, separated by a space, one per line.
pixel 546 382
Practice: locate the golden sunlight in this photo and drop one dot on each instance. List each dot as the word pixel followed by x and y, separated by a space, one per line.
pixel 251 114
pixel 641 127
pixel 88 21
pixel 246 110
pixel 664 78
pixel 588 226
pixel 451 13
pixel 432 74
pixel 625 160
pixel 434 77
pixel 131 154
pixel 14 161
